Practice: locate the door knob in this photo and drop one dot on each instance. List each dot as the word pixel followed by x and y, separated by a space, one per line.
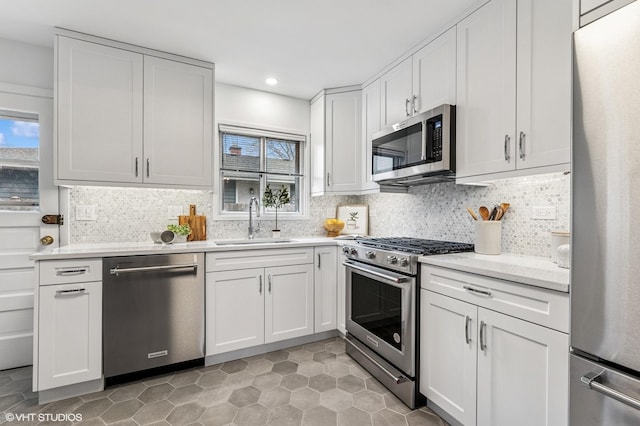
pixel 46 240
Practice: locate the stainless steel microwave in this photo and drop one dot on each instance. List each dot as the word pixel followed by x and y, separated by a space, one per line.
pixel 416 151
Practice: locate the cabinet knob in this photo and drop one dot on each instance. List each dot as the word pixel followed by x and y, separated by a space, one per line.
pixel 46 240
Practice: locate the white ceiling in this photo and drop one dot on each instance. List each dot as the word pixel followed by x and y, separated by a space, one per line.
pixel 307 44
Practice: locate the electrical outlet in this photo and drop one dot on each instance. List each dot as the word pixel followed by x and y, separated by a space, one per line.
pixel 173 212
pixel 85 212
pixel 543 212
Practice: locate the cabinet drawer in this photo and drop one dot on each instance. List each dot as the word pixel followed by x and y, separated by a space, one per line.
pixel 70 271
pixel 242 259
pixel 544 307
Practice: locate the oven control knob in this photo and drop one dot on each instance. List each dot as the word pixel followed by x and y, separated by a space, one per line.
pixel 345 250
pixel 370 254
pixel 404 261
pixel 353 252
pixel 392 260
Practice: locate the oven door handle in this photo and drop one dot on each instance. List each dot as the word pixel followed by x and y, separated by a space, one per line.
pixel 395 279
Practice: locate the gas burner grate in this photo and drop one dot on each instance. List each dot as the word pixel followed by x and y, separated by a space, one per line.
pixel 415 245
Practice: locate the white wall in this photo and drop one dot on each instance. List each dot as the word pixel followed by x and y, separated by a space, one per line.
pixel 26 64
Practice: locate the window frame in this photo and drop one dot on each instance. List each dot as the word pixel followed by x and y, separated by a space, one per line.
pixel 263 134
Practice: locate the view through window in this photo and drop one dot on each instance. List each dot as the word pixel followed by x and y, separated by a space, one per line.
pixel 19 158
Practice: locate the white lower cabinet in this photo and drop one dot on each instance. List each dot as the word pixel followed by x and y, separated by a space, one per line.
pixel 325 282
pixel 266 304
pixel 484 367
pixel 70 334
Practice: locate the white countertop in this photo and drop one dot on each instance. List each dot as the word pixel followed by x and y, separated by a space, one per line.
pixel 79 251
pixel 535 271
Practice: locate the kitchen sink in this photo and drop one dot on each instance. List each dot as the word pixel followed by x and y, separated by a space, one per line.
pixel 247 241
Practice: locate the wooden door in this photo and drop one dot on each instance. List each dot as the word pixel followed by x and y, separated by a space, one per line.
pixel 27 192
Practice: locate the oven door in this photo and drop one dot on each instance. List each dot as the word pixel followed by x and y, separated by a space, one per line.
pixel 381 313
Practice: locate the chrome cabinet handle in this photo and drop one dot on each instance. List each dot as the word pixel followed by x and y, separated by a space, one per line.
pixel 318 260
pixel 68 272
pixel 70 292
pixel 136 166
pixel 475 290
pixel 406 107
pixel 260 284
pixel 591 380
pixel 467 323
pixel 328 179
pixel 413 104
pixel 521 145
pixel 507 154
pixel 269 283
pixel 483 327
pixel 147 167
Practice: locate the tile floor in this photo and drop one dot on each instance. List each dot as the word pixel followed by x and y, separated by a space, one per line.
pixel 313 385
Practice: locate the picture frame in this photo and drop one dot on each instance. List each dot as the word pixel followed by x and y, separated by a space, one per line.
pixel 355 218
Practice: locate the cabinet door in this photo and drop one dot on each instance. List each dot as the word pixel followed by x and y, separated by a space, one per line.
pixel 343 142
pixel 317 147
pixel 178 114
pixel 342 294
pixel 70 334
pixel 486 90
pixel 98 112
pixel 325 275
pixel 544 82
pixel 396 93
pixel 289 302
pixel 434 73
pixel 522 372
pixel 448 348
pixel 235 310
pixel 370 125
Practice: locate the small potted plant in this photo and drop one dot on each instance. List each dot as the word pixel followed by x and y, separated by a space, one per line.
pixel 276 199
pixel 181 231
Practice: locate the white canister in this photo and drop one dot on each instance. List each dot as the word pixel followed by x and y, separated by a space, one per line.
pixel 558 238
pixel 488 237
pixel 564 256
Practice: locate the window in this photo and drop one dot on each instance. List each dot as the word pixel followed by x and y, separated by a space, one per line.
pixel 252 159
pixel 19 157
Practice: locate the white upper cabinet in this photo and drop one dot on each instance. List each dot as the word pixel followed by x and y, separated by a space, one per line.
pixel 99 112
pixel 370 124
pixel 339 170
pixel 178 116
pixel 397 93
pixel 419 83
pixel 127 116
pixel 514 88
pixel 434 73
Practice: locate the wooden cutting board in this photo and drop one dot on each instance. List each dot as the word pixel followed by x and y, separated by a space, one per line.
pixel 197 223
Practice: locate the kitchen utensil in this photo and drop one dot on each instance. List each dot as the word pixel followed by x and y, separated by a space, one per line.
pixel 505 207
pixel 472 213
pixel 484 212
pixel 197 223
pixel 494 212
pixel 500 213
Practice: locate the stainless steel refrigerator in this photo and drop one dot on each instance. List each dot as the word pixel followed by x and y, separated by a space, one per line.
pixel 605 284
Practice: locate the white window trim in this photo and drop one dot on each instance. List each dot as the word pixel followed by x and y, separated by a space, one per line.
pixel 262 131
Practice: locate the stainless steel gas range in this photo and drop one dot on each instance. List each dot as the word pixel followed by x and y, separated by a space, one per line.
pixel 382 285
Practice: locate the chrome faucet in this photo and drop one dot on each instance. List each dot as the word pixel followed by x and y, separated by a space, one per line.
pixel 251 230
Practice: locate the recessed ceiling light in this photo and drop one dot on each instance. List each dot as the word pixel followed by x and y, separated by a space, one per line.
pixel 271 81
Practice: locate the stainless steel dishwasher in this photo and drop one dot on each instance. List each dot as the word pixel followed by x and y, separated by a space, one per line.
pixel 153 313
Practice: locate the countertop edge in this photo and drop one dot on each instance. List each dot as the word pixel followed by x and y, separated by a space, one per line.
pixel 80 251
pixel 445 261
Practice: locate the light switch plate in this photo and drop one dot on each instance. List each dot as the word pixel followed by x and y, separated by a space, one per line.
pixel 543 213
pixel 85 212
pixel 173 212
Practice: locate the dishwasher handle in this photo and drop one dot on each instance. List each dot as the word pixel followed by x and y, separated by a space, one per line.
pixel 117 270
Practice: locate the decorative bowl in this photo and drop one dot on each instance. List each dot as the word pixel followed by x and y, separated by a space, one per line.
pixel 333 227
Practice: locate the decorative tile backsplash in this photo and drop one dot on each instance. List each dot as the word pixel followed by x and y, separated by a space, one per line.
pixel 435 211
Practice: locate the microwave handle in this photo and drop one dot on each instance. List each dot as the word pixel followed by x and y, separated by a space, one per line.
pixel 423 156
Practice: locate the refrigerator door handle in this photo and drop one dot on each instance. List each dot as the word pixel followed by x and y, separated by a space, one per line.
pixel 591 380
